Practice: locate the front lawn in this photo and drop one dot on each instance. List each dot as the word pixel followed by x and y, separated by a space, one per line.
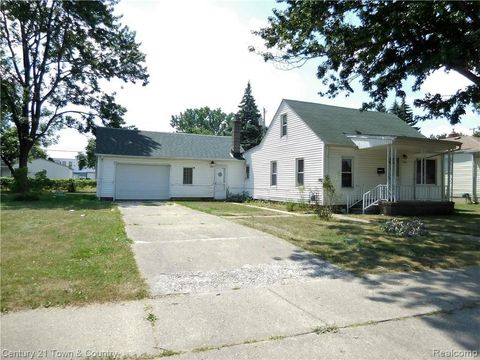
pixel 365 248
pixel 466 220
pixel 222 208
pixel 65 250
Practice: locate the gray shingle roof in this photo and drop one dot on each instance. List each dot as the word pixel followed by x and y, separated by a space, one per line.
pixel 332 123
pixel 162 145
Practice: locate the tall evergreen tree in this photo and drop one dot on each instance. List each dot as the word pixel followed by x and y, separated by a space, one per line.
pixel 404 112
pixel 249 117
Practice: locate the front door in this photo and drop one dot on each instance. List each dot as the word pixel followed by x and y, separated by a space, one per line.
pixel 219 183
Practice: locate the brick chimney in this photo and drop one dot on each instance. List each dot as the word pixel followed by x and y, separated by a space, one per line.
pixel 236 138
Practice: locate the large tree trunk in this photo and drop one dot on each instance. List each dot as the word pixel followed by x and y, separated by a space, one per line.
pixel 21 174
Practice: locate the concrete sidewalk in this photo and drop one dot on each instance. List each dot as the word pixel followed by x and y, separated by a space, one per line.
pixel 399 315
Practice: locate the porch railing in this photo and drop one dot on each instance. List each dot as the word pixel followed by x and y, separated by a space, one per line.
pixel 382 192
pixel 373 196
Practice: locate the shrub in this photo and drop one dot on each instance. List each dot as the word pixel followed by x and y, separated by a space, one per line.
pixel 407 228
pixel 41 183
pixel 291 206
pixel 71 186
pixel 240 198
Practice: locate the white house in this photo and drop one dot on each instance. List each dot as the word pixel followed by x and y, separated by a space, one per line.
pixel 466 167
pixel 85 173
pixel 145 165
pixel 370 157
pixel 54 170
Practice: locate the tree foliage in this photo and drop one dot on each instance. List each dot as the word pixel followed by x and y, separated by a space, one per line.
pixel 382 43
pixel 88 159
pixel 249 116
pixel 404 112
pixel 203 121
pixel 56 56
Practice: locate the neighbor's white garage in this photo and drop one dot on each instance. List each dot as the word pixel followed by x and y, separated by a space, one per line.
pixel 142 182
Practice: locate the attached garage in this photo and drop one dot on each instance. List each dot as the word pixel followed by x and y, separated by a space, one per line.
pixel 142 182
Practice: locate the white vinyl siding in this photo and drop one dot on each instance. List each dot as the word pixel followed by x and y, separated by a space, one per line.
pixel 203 175
pixel 300 142
pixel 463 174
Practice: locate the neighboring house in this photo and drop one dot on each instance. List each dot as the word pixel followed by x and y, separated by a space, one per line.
pixel 54 170
pixel 85 173
pixel 145 165
pixel 4 170
pixel 370 157
pixel 466 167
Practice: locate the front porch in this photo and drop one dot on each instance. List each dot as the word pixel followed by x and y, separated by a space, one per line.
pixel 423 186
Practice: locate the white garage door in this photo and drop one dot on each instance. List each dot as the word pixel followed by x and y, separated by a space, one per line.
pixel 142 182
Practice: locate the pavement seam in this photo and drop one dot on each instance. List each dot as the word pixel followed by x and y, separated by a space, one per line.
pixel 465 306
pixel 296 306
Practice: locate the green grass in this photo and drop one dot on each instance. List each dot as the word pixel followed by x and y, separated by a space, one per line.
pixel 65 250
pixel 466 220
pixel 296 207
pixel 365 248
pixel 221 208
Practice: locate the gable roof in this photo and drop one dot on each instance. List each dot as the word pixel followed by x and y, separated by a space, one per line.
pixel 469 143
pixel 162 145
pixel 332 123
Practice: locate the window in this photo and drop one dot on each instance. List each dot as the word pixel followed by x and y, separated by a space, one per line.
pixel 70 164
pixel 300 171
pixel 247 172
pixel 347 173
pixel 187 176
pixel 426 172
pixel 273 173
pixel 284 125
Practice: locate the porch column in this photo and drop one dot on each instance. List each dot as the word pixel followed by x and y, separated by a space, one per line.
pixel 449 175
pixel 392 173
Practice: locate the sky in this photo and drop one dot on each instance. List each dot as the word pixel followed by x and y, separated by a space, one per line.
pixel 197 55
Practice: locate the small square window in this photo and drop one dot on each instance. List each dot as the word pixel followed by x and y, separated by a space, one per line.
pixel 187 176
pixel 284 125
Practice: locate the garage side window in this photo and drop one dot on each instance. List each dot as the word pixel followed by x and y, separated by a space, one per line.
pixel 188 176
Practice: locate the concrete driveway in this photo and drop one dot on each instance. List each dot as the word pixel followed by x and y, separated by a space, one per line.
pixel 180 250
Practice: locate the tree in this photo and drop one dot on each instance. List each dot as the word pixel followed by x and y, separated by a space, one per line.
pixel 203 121
pixel 9 146
pixel 404 112
pixel 249 117
pixel 55 55
pixel 88 159
pixel 382 43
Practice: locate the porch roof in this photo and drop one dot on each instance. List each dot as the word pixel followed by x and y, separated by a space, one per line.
pixel 408 142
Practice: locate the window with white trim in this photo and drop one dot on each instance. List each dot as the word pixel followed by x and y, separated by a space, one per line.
pixel 300 170
pixel 426 172
pixel 187 176
pixel 283 124
pixel 273 173
pixel 347 172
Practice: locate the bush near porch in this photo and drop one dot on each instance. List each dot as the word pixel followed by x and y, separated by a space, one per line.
pixel 65 250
